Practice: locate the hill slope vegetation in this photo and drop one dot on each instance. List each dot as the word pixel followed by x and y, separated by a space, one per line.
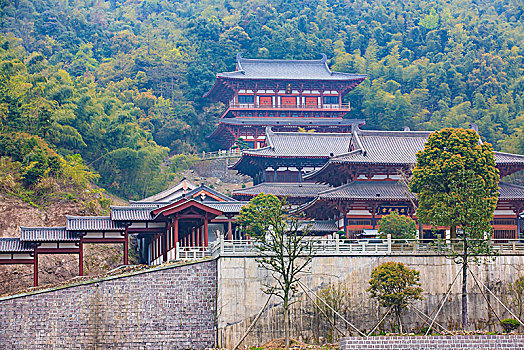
pixel 121 82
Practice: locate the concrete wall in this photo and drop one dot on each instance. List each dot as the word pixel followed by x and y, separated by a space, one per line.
pixel 241 282
pixel 167 308
pixel 174 307
pixel 470 342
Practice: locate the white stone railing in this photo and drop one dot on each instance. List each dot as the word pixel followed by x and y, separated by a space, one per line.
pixel 232 153
pixel 379 247
pixel 346 247
pixel 191 253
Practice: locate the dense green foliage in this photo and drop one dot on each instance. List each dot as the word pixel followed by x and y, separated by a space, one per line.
pixel 509 324
pixel 395 286
pixel 456 182
pixel 398 226
pixel 116 80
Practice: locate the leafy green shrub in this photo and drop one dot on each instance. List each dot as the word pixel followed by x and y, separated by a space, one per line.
pixel 34 167
pixel 509 324
pixel 181 162
pixel 398 226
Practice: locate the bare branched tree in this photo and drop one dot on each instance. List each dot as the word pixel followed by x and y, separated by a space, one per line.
pixel 281 241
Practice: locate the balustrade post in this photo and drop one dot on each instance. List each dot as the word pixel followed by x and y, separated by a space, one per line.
pixel 389 243
pixel 337 243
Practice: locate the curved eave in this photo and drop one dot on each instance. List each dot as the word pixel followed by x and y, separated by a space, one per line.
pixel 278 195
pixel 370 199
pixel 245 166
pixel 305 206
pixel 351 78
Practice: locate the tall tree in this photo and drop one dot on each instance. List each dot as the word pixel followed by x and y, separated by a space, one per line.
pixel 456 183
pixel 280 239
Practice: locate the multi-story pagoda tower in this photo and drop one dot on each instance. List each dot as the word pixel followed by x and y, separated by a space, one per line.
pixel 283 94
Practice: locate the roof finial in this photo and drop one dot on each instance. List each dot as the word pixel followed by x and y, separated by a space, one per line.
pixel 474 127
pixel 239 65
pixel 324 58
pixel 269 133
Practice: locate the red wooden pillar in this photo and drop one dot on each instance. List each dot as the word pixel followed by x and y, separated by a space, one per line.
pixel 205 231
pixel 175 232
pixel 126 255
pixel 164 244
pixel 81 258
pixel 35 269
pixel 198 237
pixel 229 229
pixel 192 237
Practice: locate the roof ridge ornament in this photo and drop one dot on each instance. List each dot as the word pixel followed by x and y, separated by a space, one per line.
pixel 359 143
pixel 239 64
pixel 475 128
pixel 269 134
pixel 324 60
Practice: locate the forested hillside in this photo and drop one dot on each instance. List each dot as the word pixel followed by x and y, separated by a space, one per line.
pixel 121 82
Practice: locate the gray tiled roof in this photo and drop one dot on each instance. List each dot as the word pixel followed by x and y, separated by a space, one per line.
pixel 510 191
pixel 172 193
pixel 392 147
pixel 263 121
pixel 14 245
pixel 287 69
pixel 196 190
pixel 291 189
pixel 400 147
pixel 47 234
pixel 508 158
pixel 300 144
pixel 92 223
pixel 369 190
pixel 132 213
pixel 325 226
pixel 227 207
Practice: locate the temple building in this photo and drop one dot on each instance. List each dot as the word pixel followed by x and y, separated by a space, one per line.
pixel 283 94
pixel 291 116
pixel 366 174
pixel 182 222
pixel 178 223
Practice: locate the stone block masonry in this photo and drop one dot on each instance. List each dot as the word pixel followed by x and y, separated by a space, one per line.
pixel 164 308
pixel 466 342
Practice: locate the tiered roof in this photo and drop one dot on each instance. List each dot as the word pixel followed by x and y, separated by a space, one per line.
pixel 393 149
pixel 281 70
pixel 369 191
pixel 293 149
pixel 286 70
pixel 295 190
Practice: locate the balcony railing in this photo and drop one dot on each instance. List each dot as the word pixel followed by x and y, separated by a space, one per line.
pixel 376 247
pixel 247 106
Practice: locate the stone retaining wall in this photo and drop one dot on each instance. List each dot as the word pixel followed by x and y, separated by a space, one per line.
pixel 165 308
pixel 468 342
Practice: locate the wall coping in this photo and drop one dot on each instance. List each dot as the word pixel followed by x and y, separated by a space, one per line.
pixel 107 278
pixel 448 342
